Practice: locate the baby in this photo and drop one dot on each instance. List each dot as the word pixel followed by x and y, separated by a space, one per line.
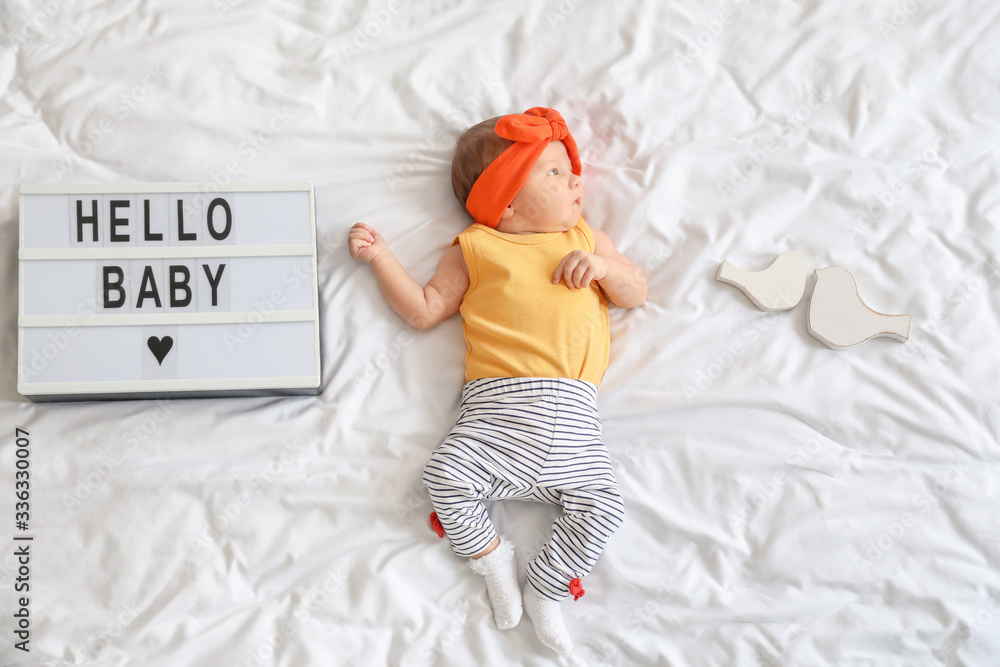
pixel 532 281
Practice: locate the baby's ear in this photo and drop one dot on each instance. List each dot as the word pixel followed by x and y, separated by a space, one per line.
pixel 507 212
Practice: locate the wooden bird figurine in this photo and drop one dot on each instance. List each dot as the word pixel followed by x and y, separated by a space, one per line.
pixel 840 319
pixel 778 287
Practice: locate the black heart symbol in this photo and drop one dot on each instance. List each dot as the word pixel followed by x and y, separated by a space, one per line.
pixel 160 347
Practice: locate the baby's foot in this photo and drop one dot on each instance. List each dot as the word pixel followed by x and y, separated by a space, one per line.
pixel 499 568
pixel 548 621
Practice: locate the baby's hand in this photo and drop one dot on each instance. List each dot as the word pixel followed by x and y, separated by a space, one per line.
pixel 579 267
pixel 365 243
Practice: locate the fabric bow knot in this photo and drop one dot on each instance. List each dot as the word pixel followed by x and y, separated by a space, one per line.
pixel 528 127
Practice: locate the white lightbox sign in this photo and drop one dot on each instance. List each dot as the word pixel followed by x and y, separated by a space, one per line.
pixel 167 289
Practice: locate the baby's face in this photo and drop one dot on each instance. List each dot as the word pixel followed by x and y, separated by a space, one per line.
pixel 551 200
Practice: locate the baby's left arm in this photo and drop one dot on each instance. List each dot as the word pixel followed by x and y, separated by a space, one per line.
pixel 622 282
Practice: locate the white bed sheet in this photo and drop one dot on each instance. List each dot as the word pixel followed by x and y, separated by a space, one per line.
pixel 787 504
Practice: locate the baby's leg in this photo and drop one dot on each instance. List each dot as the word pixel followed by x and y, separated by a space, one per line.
pixel 578 538
pixel 457 486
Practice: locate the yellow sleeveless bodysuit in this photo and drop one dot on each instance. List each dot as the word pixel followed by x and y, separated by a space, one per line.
pixel 516 322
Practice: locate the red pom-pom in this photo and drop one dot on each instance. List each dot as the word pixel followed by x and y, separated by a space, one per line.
pixel 436 524
pixel 576 589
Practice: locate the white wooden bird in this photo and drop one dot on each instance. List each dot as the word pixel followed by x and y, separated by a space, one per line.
pixel 778 287
pixel 840 319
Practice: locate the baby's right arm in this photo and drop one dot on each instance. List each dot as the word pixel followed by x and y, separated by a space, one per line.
pixel 421 307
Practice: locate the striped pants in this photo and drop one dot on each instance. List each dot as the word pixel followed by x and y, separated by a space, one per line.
pixel 529 439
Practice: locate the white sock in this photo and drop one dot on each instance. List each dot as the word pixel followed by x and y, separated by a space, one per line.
pixel 499 568
pixel 548 621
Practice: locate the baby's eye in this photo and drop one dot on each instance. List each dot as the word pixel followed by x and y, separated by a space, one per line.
pixel 554 171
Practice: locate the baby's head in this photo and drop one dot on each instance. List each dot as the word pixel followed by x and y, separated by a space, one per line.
pixel 476 149
pixel 519 173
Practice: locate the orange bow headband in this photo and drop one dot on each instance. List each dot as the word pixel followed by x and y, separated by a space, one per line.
pixel 500 182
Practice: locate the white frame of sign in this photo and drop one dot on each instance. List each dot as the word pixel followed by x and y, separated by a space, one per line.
pixel 298 314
